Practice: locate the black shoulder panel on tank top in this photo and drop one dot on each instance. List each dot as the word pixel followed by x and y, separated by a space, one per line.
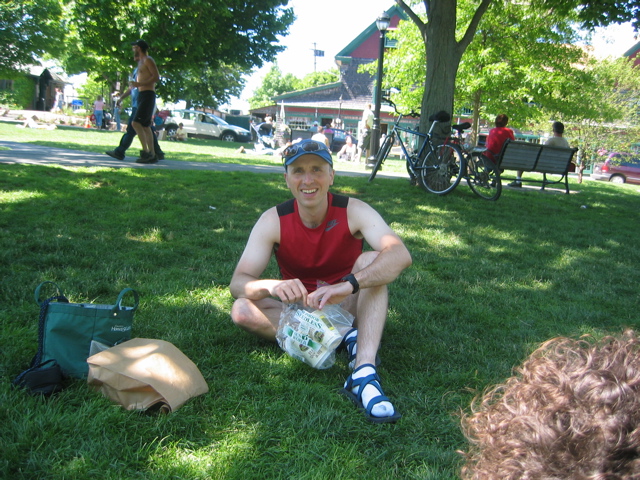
pixel 340 201
pixel 285 208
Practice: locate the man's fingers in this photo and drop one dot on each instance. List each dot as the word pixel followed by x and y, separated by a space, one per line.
pixel 291 291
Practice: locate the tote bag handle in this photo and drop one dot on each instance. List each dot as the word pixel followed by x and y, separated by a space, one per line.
pixel 118 306
pixel 39 287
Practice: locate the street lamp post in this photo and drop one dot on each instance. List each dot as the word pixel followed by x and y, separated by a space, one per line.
pixel 382 23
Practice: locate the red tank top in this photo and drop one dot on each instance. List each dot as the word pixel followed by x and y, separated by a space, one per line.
pixel 325 253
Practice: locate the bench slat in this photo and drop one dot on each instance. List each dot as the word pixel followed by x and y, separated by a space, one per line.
pixel 555 160
pixel 520 156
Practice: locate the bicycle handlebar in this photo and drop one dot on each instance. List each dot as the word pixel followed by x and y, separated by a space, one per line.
pixel 395 108
pixel 441 116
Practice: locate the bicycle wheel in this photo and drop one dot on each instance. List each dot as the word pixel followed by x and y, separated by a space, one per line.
pixel 442 169
pixel 382 154
pixel 483 178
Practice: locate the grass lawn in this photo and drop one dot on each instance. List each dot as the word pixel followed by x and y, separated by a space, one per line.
pixel 490 281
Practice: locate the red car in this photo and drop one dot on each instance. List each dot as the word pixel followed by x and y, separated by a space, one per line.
pixel 618 168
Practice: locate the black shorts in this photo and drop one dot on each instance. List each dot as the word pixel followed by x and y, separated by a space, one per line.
pixel 146 106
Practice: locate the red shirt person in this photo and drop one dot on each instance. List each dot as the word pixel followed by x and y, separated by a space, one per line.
pixel 498 136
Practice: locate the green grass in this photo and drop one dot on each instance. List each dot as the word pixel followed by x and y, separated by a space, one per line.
pixel 490 281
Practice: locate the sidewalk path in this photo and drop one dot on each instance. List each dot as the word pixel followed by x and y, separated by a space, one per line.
pixel 27 153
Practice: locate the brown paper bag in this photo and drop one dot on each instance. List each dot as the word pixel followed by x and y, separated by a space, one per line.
pixel 141 374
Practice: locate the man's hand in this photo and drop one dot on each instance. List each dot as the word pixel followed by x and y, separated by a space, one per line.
pixel 329 295
pixel 290 291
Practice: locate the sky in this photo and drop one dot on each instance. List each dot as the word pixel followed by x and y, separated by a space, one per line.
pixel 331 25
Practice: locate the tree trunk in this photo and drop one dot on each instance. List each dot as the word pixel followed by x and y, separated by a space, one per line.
pixel 442 61
pixel 443 52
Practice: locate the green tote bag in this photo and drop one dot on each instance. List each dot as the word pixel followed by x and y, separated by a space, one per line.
pixel 67 330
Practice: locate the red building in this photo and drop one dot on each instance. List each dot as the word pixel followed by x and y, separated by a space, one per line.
pixel 634 54
pixel 342 101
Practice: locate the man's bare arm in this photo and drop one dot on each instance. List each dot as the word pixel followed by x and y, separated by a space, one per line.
pixel 393 256
pixel 246 281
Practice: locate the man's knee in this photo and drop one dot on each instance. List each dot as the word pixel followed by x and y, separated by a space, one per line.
pixel 242 313
pixel 364 260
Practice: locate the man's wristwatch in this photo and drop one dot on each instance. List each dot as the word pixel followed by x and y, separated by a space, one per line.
pixel 352 280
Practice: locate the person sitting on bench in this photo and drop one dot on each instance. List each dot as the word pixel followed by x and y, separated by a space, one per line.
pixel 497 137
pixel 556 141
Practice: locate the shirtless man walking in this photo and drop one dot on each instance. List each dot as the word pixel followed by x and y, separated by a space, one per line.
pixel 145 82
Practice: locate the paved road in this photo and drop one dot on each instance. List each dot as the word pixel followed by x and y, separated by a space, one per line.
pixel 26 153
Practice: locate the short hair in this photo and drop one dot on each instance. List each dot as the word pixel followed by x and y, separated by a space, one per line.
pixel 571 411
pixel 502 120
pixel 558 127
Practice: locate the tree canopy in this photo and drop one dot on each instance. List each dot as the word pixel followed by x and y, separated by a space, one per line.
pixel 194 42
pixel 595 14
pixel 518 63
pixel 29 29
pixel 447 28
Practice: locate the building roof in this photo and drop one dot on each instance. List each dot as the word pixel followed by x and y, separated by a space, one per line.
pixel 633 51
pixel 37 71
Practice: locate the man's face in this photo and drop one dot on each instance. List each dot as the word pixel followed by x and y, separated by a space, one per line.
pixel 136 52
pixel 309 179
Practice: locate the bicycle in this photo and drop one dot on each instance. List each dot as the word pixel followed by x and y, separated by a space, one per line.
pixel 480 173
pixel 437 168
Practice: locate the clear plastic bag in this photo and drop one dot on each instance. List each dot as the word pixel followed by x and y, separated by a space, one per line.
pixel 312 336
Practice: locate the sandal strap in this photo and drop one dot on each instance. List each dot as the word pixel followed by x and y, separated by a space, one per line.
pixel 374 401
pixel 351 382
pixel 350 342
pixel 372 379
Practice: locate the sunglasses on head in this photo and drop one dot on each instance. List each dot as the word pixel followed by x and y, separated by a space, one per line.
pixel 308 146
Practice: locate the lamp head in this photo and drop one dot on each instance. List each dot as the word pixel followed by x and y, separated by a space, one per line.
pixel 383 22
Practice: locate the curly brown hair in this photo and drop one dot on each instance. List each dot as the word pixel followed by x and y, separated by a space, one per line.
pixel 571 411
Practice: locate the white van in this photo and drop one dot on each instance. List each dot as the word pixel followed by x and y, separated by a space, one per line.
pixel 205 125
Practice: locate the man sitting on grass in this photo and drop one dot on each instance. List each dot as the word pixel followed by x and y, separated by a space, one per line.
pixel 317 237
pixel 180 135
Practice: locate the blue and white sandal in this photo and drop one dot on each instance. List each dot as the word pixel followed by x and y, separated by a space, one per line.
pixel 361 383
pixel 349 343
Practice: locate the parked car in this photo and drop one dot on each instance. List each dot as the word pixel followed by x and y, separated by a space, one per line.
pixel 205 125
pixel 339 139
pixel 618 168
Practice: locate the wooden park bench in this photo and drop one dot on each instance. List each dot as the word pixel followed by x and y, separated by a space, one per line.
pixel 533 157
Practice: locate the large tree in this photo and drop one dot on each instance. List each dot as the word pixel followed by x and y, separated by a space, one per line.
pixel 518 63
pixel 443 50
pixel 445 40
pixel 29 29
pixel 187 37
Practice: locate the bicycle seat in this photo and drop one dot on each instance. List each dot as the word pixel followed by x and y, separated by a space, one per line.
pixel 461 127
pixel 441 116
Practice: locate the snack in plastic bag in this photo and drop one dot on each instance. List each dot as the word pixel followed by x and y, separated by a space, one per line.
pixel 312 336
